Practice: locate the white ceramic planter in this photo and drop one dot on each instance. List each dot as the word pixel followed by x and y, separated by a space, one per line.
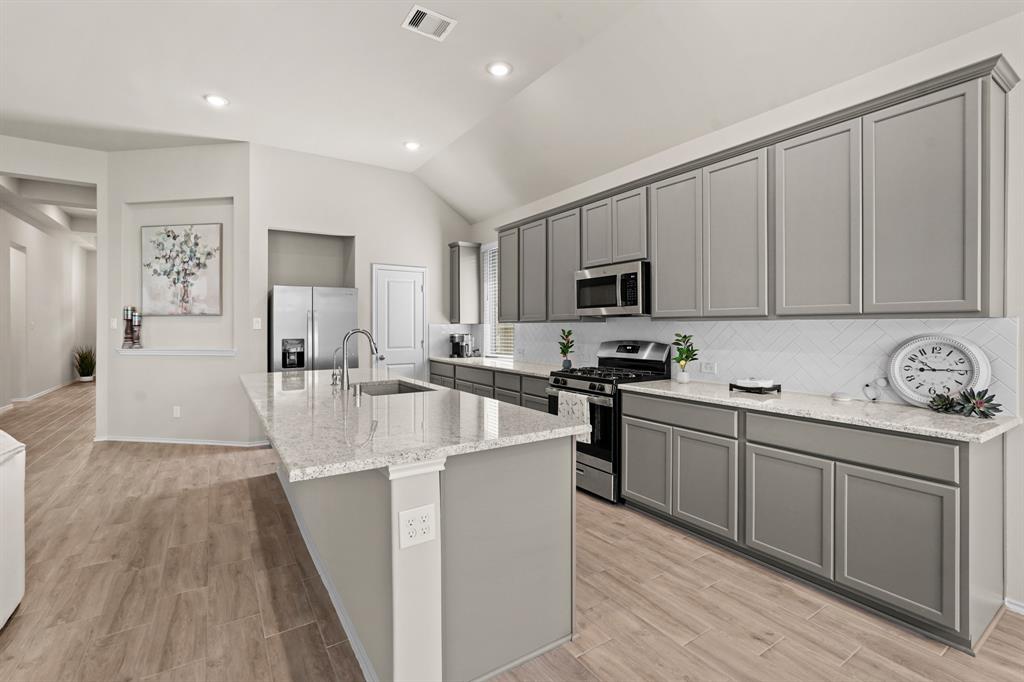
pixel 680 375
pixel 86 379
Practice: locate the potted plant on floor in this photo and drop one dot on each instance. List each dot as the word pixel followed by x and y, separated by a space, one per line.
pixel 565 345
pixel 85 363
pixel 685 353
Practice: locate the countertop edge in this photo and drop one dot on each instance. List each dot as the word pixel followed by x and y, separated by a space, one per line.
pixel 542 372
pixel 998 428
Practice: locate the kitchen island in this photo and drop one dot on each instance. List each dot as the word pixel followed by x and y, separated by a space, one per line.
pixel 477 574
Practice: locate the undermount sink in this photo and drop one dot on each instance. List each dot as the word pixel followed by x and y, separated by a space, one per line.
pixel 391 387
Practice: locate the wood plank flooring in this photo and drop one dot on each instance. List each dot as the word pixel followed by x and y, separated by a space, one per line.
pixel 183 563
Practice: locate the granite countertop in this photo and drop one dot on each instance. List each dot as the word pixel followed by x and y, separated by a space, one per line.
pixel 885 416
pixel 532 369
pixel 319 431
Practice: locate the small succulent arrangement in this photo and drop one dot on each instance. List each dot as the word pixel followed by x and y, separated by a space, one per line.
pixel 565 347
pixel 685 350
pixel 969 403
pixel 85 361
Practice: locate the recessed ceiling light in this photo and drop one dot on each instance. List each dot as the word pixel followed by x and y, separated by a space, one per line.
pixel 412 145
pixel 499 69
pixel 216 101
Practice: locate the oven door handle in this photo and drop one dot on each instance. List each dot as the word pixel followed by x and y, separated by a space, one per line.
pixel 602 400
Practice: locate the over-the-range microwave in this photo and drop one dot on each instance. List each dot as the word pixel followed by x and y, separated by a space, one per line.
pixel 620 289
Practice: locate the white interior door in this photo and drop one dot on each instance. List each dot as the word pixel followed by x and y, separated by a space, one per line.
pixel 399 319
pixel 19 321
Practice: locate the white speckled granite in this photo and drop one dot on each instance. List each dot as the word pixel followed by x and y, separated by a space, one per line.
pixel 319 431
pixel 884 416
pixel 532 369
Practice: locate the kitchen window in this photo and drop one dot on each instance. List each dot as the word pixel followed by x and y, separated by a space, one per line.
pixel 499 337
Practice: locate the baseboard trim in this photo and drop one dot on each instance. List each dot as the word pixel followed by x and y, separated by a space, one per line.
pixel 346 621
pixel 40 394
pixel 186 441
pixel 1015 606
pixel 6 407
pixel 523 659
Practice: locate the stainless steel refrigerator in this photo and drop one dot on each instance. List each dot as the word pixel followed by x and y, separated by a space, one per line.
pixel 307 324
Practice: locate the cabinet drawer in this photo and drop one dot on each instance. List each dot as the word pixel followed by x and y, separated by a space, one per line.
pixel 485 391
pixel 442 369
pixel 539 404
pixel 536 387
pixel 477 376
pixel 464 386
pixel 510 397
pixel 716 420
pixel 442 381
pixel 506 381
pixel 908 455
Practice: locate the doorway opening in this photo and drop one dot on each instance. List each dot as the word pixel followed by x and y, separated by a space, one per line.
pixel 19 320
pixel 399 321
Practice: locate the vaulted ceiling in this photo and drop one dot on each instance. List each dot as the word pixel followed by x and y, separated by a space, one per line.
pixel 595 86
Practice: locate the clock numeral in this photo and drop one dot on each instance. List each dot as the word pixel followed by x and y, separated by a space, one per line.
pixel 910 377
pixel 958 381
pixel 931 390
pixel 908 368
pixel 918 386
pixel 912 358
pixel 936 349
pixel 949 353
pixel 961 361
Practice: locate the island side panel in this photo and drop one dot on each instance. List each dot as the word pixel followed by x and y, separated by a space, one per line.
pixel 506 554
pixel 345 521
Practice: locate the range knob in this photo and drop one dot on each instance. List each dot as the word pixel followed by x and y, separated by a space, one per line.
pixel 600 387
pixel 593 387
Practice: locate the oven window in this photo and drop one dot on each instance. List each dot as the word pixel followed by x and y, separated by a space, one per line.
pixel 597 292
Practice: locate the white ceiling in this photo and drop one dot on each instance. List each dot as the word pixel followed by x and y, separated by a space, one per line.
pixel 596 85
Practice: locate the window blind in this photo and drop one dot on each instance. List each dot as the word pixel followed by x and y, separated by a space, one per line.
pixel 499 337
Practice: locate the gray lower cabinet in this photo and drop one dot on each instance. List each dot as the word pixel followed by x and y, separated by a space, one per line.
pixel 464 386
pixel 534 403
pixel 647 463
pixel 897 541
pixel 735 236
pixel 789 507
pixel 533 272
pixel 818 222
pixel 922 210
pixel 485 391
pixel 447 382
pixel 705 481
pixel 508 276
pixel 596 234
pixel 676 224
pixel 629 225
pixel 510 397
pixel 563 262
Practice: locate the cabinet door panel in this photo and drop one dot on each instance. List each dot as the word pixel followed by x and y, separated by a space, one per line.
pixel 647 463
pixel 563 262
pixel 897 540
pixel 676 223
pixel 705 481
pixel 629 225
pixel 818 222
pixel 735 236
pixel 922 216
pixel 533 276
pixel 508 276
pixel 597 234
pixel 454 281
pixel 790 507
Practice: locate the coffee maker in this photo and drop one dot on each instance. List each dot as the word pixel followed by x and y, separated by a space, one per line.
pixel 462 345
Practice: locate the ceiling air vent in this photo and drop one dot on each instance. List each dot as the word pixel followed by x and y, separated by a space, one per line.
pixel 428 23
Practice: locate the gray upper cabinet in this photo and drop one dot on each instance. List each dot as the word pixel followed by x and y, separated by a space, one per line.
pixel 629 225
pixel 647 463
pixel 563 262
pixel 676 223
pixel 705 481
pixel 735 236
pixel 596 230
pixel 789 507
pixel 533 275
pixel 818 222
pixel 508 276
pixel 897 541
pixel 464 282
pixel 922 216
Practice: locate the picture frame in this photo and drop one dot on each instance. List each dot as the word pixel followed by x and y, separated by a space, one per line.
pixel 182 270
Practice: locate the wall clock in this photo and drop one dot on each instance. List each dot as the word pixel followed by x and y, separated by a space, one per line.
pixel 924 366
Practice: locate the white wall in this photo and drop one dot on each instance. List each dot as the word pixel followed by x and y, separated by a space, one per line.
pixel 54 313
pixel 83 296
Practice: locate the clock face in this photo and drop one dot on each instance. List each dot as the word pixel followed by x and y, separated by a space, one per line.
pixel 926 366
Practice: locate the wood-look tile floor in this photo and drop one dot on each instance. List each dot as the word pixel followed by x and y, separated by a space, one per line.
pixel 183 563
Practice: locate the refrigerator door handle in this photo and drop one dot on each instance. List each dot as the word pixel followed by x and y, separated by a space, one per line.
pixel 311 353
pixel 316 334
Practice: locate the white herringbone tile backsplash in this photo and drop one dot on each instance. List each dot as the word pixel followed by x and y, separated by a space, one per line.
pixel 807 356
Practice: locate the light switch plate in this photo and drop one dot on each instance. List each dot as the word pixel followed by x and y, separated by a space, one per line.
pixel 708 367
pixel 113 323
pixel 416 526
pixel 257 323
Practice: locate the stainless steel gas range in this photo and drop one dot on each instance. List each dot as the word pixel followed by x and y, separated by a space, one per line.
pixel 598 463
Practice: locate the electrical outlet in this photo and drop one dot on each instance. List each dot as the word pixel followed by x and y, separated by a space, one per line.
pixel 708 367
pixel 113 323
pixel 257 323
pixel 416 526
pixel 176 411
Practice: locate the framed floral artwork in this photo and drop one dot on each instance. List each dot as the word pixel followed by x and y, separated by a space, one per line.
pixel 181 269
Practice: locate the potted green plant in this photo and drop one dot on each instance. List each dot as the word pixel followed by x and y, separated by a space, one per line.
pixel 565 347
pixel 85 362
pixel 685 353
